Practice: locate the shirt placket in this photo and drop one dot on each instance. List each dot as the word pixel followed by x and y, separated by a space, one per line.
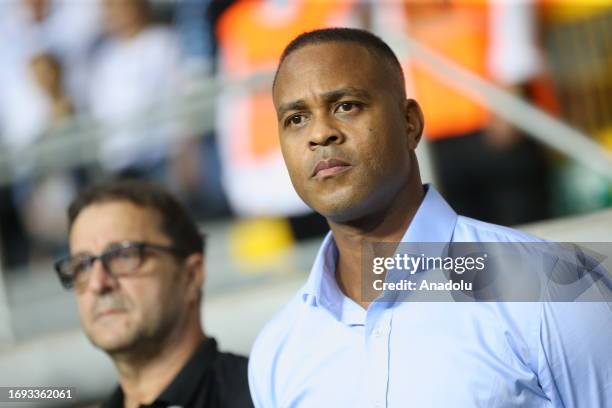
pixel 378 334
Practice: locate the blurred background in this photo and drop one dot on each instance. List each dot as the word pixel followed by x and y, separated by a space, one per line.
pixel 517 102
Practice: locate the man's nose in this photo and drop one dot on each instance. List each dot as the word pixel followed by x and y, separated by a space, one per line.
pixel 100 279
pixel 325 132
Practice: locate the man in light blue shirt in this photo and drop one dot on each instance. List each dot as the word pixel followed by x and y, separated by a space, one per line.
pixel 348 136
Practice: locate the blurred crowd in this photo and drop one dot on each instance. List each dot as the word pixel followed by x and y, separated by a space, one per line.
pixel 107 61
pixel 113 60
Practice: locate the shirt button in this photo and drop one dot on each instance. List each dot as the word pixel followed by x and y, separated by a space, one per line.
pixel 378 332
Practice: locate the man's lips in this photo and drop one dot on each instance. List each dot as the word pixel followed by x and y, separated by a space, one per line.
pixel 329 167
pixel 108 312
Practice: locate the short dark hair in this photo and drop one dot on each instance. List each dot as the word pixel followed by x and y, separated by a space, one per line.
pixel 366 39
pixel 176 223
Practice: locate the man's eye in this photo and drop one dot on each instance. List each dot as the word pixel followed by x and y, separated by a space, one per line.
pixel 123 253
pixel 80 265
pixel 295 120
pixel 346 107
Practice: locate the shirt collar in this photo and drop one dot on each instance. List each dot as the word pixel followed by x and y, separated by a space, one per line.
pixel 434 221
pixel 187 382
pixel 322 270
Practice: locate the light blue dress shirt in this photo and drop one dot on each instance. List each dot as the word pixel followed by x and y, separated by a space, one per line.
pixel 324 350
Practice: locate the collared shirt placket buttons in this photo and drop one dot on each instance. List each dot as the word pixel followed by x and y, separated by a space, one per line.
pixel 378 352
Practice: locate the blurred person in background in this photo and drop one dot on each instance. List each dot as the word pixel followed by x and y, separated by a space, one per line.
pixel 484 166
pixel 136 265
pixel 48 73
pixel 348 137
pixel 135 69
pixel 68 30
pixel 41 198
pixel 30 28
pixel 576 44
pixel 196 177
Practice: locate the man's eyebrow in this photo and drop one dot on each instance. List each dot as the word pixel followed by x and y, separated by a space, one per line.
pixel 337 94
pixel 289 106
pixel 108 247
pixel 330 96
pixel 80 254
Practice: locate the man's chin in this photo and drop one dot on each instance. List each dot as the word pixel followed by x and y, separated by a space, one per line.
pixel 113 344
pixel 337 208
pixel 353 207
pixel 340 215
pixel 342 210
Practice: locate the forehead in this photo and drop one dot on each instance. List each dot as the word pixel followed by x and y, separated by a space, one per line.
pixel 100 224
pixel 323 67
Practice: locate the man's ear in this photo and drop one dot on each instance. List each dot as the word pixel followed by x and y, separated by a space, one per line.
pixel 414 122
pixel 195 270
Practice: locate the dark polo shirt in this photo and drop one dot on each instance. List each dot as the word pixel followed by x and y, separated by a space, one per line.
pixel 210 379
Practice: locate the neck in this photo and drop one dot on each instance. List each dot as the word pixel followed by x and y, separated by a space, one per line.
pixel 144 376
pixel 388 225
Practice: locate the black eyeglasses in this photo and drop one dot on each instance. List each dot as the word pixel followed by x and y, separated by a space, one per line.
pixel 118 260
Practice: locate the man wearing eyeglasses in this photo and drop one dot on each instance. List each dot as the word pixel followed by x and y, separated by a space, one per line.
pixel 136 265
